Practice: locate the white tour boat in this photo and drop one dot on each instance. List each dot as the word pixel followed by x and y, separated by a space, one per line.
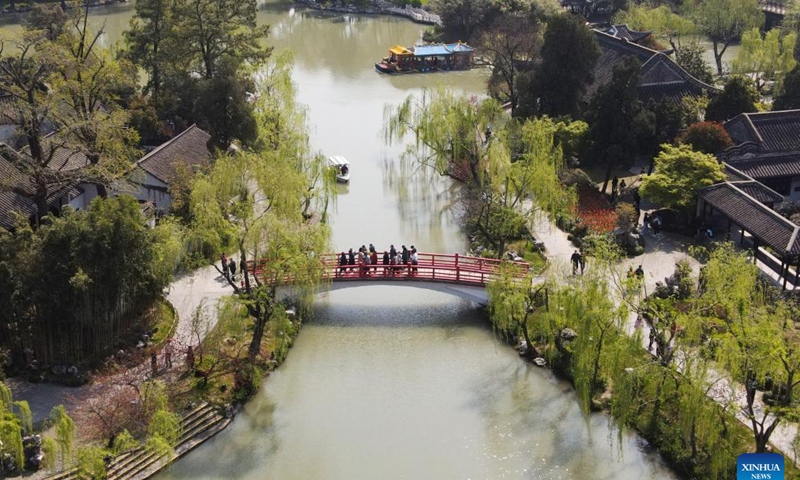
pixel 342 167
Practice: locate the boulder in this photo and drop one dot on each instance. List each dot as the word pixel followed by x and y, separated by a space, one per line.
pixel 540 362
pixel 568 334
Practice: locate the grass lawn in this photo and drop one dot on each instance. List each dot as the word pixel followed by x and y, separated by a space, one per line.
pixel 164 320
pixel 537 259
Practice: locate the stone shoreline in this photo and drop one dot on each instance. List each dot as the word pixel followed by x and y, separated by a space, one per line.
pixel 417 15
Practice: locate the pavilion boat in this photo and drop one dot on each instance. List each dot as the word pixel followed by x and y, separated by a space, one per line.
pixel 427 58
pixel 342 168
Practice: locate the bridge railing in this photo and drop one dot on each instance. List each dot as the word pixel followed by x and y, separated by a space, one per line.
pixel 439 267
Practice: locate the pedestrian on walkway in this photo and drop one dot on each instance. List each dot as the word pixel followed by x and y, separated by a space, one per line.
pixel 154 364
pixel 652 339
pixel 242 266
pixel 614 184
pixel 224 264
pixel 233 269
pixel 168 354
pixel 576 260
pixel 639 272
pixel 190 358
pixel 656 225
pixel 582 261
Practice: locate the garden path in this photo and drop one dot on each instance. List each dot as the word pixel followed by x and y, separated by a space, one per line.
pixel 658 261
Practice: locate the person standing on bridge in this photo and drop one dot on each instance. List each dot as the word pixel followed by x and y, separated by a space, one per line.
pixel 373 257
pixel 392 251
pixel 342 263
pixel 405 255
pixel 414 259
pixel 352 258
pixel 385 262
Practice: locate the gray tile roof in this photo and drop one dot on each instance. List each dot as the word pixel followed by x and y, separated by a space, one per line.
pixel 768 166
pixel 188 148
pixel 626 32
pixel 662 78
pixel 758 219
pixel 772 131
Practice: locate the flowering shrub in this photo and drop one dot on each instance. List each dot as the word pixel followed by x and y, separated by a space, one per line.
pixel 594 211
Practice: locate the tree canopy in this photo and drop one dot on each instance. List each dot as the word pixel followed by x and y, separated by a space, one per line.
pixel 738 96
pixel 569 53
pixel 679 173
pixel 724 21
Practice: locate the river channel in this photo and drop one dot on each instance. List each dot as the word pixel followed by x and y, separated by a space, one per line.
pixel 391 382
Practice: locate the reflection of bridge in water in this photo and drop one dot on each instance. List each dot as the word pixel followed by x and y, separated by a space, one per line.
pixel 458 275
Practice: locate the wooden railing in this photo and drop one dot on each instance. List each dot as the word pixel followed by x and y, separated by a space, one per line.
pixel 435 267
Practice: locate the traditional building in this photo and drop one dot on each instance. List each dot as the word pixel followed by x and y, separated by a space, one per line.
pixel 661 77
pixel 767 148
pixel 158 169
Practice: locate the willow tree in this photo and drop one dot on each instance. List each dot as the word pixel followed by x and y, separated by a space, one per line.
pixel 256 203
pixel 499 163
pixel 513 302
pixel 10 429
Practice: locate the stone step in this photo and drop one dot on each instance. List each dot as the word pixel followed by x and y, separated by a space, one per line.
pixel 133 469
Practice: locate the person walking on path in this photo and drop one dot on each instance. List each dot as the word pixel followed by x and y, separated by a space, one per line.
pixel 242 266
pixel 154 364
pixel 168 352
pixel 224 264
pixel 233 269
pixel 639 272
pixel 582 261
pixel 190 358
pixel 576 260
pixel 614 184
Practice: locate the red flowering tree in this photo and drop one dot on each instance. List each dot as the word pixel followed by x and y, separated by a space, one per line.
pixel 706 137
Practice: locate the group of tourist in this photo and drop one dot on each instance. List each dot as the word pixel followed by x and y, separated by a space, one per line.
pixel 367 259
pixel 229 267
pixel 653 222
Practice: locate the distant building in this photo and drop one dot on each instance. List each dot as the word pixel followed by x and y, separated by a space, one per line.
pixel 661 77
pixel 767 148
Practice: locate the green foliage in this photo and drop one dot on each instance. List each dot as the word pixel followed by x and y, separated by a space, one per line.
pixel 498 171
pixel 91 462
pixel 620 125
pixel 241 205
pixel 81 281
pixel 660 20
pixel 11 440
pixel 789 97
pixel 65 433
pixel 166 426
pixel 123 442
pixel 569 53
pixel 724 21
pixel 25 416
pixel 691 57
pixel 680 173
pixel 706 137
pixel 765 59
pixel 738 96
pixel 50 451
pixel 464 20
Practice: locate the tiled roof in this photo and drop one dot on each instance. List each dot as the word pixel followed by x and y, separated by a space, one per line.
pixel 624 31
pixel 772 131
pixel 188 148
pixel 759 220
pixel 768 166
pixel 12 178
pixel 661 76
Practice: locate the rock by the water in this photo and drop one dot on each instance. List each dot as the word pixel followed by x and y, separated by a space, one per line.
pixel 539 362
pixel 568 334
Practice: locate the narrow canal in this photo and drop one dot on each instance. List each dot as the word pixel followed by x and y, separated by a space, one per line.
pixel 395 382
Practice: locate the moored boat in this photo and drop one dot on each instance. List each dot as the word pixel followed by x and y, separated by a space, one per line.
pixel 342 168
pixel 427 58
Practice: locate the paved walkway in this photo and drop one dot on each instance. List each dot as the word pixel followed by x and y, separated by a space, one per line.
pixel 202 288
pixel 658 261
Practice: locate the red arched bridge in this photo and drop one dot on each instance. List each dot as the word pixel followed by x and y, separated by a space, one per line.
pixel 456 274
